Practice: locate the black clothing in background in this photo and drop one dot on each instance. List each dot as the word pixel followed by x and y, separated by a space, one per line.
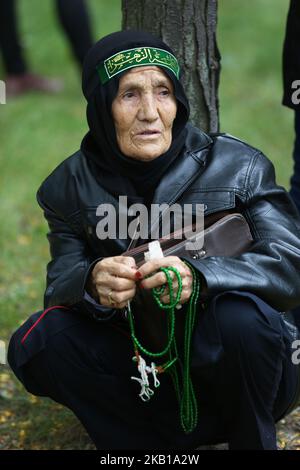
pixel 73 16
pixel 291 53
pixel 13 58
pixel 291 72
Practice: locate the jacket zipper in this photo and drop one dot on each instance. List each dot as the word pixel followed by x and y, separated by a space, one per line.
pixel 177 196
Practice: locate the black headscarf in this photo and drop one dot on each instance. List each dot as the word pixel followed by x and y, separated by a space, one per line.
pixel 119 174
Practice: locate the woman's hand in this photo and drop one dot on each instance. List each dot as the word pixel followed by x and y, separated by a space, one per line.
pixel 114 280
pixel 157 279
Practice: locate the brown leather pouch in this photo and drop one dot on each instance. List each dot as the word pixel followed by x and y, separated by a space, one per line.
pixel 228 235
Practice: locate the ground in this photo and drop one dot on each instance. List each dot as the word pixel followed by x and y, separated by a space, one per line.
pixel 29 422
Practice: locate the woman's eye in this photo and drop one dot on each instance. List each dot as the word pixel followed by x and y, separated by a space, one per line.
pixel 128 94
pixel 164 92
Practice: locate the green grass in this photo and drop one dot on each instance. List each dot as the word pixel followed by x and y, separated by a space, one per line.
pixel 250 37
pixel 38 131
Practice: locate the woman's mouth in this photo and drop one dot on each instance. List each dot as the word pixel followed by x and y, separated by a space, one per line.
pixel 148 134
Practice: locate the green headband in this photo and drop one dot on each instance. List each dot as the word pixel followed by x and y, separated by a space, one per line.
pixel 137 57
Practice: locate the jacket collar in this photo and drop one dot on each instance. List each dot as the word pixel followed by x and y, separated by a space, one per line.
pixel 196 139
pixel 184 170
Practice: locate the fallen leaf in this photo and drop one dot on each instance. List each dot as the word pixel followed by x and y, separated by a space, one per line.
pixel 23 240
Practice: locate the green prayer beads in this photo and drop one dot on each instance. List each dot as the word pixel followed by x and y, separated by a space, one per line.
pixel 158 291
pixel 185 394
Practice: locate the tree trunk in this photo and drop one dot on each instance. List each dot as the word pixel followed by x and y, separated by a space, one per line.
pixel 189 28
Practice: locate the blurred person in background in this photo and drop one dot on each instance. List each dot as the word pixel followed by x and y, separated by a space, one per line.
pixel 74 19
pixel 291 98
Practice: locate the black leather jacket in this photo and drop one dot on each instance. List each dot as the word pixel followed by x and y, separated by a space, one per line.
pixel 220 172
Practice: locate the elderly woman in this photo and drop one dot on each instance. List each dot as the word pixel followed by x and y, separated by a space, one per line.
pixel 238 376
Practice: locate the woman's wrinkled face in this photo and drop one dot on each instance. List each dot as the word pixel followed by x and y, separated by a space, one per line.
pixel 143 112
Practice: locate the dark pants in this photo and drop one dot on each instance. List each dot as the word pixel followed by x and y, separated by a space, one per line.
pixel 10 46
pixel 243 377
pixel 295 179
pixel 295 186
pixel 73 16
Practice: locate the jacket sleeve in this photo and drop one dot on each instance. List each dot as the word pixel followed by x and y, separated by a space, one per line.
pixel 271 269
pixel 70 265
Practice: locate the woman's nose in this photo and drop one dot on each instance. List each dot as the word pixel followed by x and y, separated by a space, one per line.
pixel 148 108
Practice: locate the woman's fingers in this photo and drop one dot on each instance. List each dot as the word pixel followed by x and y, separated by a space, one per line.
pixel 115 279
pixel 152 266
pixel 158 278
pixel 185 295
pixel 113 282
pixel 115 299
pixel 121 266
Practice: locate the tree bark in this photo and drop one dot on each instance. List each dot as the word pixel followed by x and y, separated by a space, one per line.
pixel 189 28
